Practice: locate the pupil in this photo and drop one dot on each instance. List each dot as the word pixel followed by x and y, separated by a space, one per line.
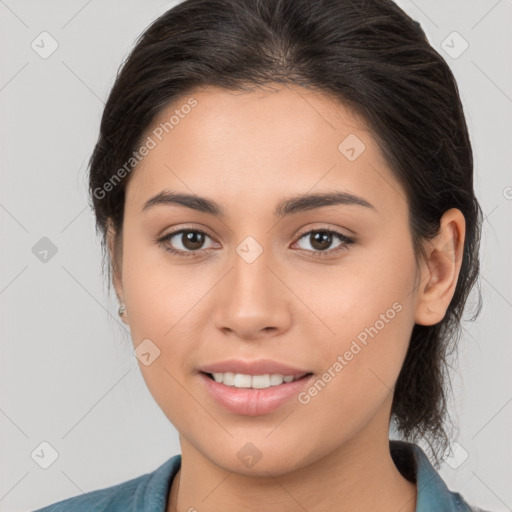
pixel 193 240
pixel 321 240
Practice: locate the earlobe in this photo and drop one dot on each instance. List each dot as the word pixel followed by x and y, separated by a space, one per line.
pixel 440 271
pixel 122 311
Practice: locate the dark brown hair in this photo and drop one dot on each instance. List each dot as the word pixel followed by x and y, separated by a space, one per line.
pixel 375 60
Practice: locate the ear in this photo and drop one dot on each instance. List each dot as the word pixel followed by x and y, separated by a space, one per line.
pixel 440 270
pixel 114 248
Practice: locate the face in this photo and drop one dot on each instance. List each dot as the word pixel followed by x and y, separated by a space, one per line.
pixel 326 288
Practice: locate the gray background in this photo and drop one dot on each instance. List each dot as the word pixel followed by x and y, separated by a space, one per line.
pixel 68 375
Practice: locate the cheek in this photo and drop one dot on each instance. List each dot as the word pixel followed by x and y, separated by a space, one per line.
pixel 160 295
pixel 369 310
pixel 164 307
pixel 366 289
pixel 361 366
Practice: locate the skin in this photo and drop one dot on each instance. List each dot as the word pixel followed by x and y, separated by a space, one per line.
pixel 247 151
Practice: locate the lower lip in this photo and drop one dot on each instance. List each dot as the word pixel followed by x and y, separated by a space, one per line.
pixel 254 402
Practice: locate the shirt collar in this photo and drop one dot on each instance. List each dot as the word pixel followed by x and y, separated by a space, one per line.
pixel 432 492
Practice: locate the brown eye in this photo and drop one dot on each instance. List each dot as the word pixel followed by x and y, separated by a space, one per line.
pixel 185 241
pixel 321 240
pixel 192 240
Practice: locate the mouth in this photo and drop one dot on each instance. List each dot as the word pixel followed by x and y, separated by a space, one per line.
pixel 253 395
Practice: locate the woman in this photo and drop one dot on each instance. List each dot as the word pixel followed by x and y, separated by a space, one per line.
pixel 285 194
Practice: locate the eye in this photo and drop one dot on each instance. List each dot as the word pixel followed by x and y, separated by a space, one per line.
pixel 322 239
pixel 188 241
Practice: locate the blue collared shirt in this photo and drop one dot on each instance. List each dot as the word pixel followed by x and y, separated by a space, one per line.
pixel 148 492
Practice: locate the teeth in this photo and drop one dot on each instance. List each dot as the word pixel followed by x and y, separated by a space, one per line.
pixel 240 380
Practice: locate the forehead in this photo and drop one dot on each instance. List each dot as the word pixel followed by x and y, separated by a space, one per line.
pixel 247 146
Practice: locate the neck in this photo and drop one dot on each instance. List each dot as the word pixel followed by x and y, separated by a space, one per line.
pixel 358 476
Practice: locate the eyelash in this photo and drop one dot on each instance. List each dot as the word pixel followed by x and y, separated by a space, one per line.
pixel 316 254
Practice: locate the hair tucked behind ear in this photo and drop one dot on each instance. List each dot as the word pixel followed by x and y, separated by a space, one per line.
pixel 376 61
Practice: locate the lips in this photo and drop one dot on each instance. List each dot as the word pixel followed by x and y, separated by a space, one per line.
pixel 257 367
pixel 250 401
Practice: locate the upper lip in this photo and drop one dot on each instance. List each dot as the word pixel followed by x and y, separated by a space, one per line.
pixel 255 367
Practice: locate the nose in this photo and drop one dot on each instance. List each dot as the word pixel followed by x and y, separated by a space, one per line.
pixel 253 302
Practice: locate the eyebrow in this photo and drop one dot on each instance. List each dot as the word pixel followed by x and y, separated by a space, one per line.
pixel 285 207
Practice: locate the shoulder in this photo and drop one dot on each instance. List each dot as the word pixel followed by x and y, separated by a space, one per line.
pixel 432 491
pixel 145 492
